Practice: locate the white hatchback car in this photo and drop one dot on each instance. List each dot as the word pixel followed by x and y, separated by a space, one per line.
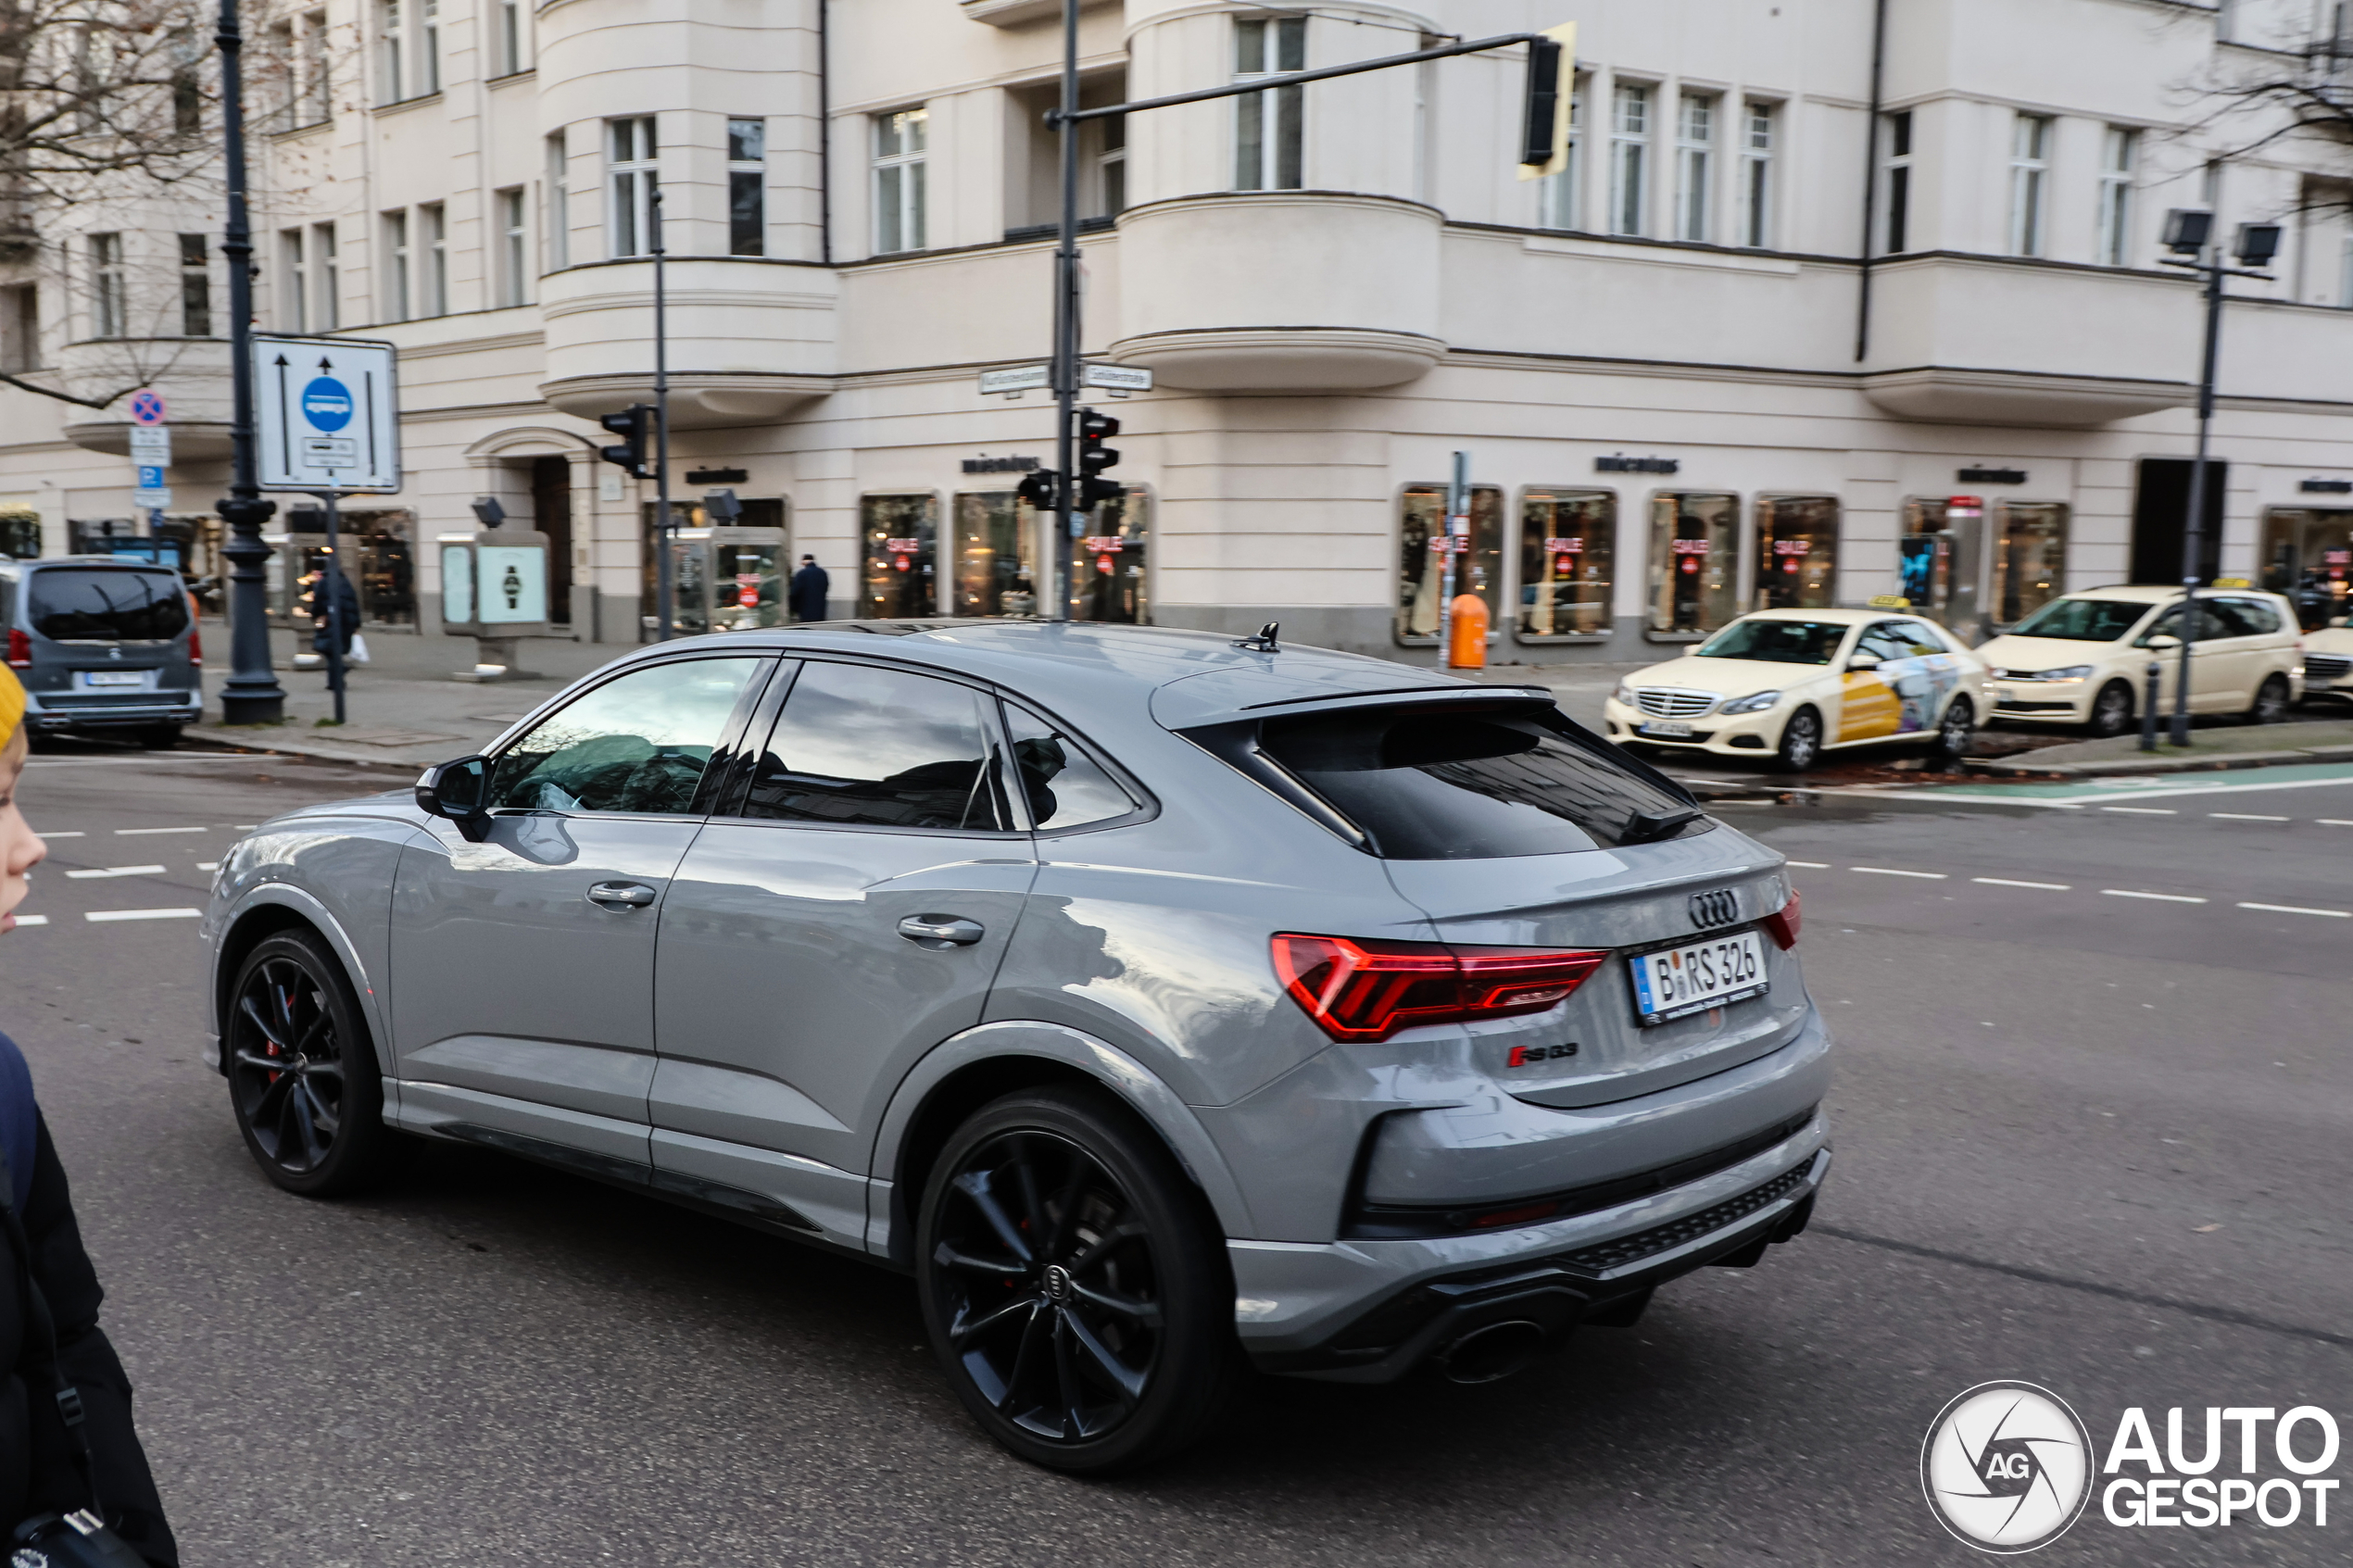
pixel 1794 682
pixel 2084 658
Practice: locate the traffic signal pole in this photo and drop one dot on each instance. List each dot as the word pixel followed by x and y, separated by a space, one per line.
pixel 662 551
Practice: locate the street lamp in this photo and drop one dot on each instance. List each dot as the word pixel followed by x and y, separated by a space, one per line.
pixel 2189 232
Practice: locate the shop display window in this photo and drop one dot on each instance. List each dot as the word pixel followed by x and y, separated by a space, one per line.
pixel 1421 613
pixel 1108 577
pixel 1694 561
pixel 1567 563
pixel 995 538
pixel 899 537
pixel 1797 552
pixel 2030 559
pixel 2307 555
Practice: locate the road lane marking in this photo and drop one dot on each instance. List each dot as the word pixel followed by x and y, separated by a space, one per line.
pixel 207 865
pixel 2160 897
pixel 2335 822
pixel 2006 882
pixel 101 916
pixel 23 920
pixel 2292 909
pixel 2245 817
pixel 115 871
pixel 1890 870
pixel 1986 795
pixel 138 833
pixel 61 836
pixel 1810 865
pixel 2141 810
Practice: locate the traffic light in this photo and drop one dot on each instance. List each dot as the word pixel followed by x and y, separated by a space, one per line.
pixel 1543 137
pixel 1093 457
pixel 1041 488
pixel 635 425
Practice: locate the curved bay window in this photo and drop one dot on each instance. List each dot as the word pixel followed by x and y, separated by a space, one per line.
pixel 1694 561
pixel 1107 570
pixel 1797 552
pixel 995 538
pixel 2030 559
pixel 1421 559
pixel 899 536
pixel 1567 563
pixel 2307 555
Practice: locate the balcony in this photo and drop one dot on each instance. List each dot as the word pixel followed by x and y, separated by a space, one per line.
pixel 750 341
pixel 192 374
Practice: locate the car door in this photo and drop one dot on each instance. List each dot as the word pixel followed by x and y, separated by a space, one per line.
pixel 2253 635
pixel 523 963
pixel 2218 659
pixel 845 915
pixel 1868 708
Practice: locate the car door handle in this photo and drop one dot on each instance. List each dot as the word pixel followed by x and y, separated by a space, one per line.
pixel 634 895
pixel 941 928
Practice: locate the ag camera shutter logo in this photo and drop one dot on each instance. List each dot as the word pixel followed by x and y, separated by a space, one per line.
pixel 2006 1467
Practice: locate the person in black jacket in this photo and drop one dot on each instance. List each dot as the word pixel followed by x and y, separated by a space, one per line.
pixel 347 602
pixel 67 1440
pixel 809 587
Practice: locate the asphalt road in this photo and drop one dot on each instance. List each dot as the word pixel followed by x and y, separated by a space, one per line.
pixel 2094 1142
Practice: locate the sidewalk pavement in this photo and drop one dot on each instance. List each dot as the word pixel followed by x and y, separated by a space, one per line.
pixel 2251 746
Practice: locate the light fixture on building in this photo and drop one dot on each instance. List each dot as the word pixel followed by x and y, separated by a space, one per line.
pixel 2187 229
pixel 722 507
pixel 488 511
pixel 2257 242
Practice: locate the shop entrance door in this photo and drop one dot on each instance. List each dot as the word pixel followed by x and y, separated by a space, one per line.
pixel 2160 517
pixel 551 514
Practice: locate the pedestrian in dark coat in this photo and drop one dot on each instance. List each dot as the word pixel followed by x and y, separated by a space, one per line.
pixel 810 585
pixel 346 602
pixel 51 1462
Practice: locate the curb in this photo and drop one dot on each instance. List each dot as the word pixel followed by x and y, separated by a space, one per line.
pixel 218 742
pixel 2130 767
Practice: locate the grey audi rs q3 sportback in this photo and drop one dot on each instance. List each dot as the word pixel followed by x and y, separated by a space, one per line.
pixel 1164 1004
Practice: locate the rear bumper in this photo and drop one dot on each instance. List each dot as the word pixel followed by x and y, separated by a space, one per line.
pixel 158 707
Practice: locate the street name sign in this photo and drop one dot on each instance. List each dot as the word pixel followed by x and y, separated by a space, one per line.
pixel 327 410
pixel 1031 377
pixel 1024 378
pixel 1118 378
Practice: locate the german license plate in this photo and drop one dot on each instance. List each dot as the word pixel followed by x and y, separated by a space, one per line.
pixel 134 679
pixel 1673 982
pixel 1668 729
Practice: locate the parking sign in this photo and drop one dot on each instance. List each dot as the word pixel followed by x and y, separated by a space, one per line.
pixel 328 414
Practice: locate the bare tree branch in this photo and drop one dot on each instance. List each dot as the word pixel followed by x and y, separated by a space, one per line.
pixel 104 401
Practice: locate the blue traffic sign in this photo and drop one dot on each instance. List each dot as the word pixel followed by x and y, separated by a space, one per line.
pixel 326 403
pixel 150 476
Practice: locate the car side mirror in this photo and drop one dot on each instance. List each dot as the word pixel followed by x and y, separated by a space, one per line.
pixel 2163 642
pixel 1864 662
pixel 460 792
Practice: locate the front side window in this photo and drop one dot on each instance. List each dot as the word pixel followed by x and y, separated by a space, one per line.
pixel 1694 166
pixel 1560 199
pixel 901 535
pixel 1630 141
pixel 2029 558
pixel 638 743
pixel 1772 640
pixel 1568 562
pixel 1423 549
pixel 1694 565
pixel 109 301
pixel 874 747
pixel 1756 175
pixel 2030 167
pixel 1797 552
pixel 2120 154
pixel 1065 787
pixel 1269 135
pixel 630 153
pixel 195 287
pixel 901 140
pixel 2083 620
pixel 747 187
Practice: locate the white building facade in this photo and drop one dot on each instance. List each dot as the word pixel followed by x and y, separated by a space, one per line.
pixel 1743 351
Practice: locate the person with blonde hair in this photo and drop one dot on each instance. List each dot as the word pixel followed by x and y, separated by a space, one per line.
pixel 69 1456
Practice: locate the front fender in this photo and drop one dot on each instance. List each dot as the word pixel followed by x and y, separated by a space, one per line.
pixel 1134 1084
pixel 225 922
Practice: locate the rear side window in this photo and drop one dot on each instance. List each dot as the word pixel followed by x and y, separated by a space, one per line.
pixel 105 604
pixel 1427 785
pixel 2247 617
pixel 1066 788
pixel 875 747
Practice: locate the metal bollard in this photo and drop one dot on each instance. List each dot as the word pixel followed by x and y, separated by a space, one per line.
pixel 2149 708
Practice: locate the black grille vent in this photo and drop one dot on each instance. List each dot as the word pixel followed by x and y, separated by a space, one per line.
pixel 1608 1255
pixel 2326 667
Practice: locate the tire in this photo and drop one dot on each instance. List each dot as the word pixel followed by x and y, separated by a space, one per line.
pixel 2271 702
pixel 158 737
pixel 318 1129
pixel 1956 730
pixel 2111 711
pixel 1111 1344
pixel 1801 745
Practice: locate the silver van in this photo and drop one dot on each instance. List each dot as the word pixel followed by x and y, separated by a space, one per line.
pixel 103 647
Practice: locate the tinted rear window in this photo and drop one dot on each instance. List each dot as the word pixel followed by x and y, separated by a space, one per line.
pixel 103 603
pixel 1466 786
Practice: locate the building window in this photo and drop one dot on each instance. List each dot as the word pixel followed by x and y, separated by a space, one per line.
pixel 1694 166
pixel 397 290
pixel 195 287
pixel 1108 576
pixel 392 78
pixel 747 187
pixel 2119 152
pixel 629 146
pixel 899 535
pixel 900 141
pixel 1268 134
pixel 992 555
pixel 429 47
pixel 435 219
pixel 1560 199
pixel 2030 559
pixel 558 225
pixel 1421 560
pixel 1567 560
pixel 296 277
pixel 1899 183
pixel 2307 555
pixel 1111 166
pixel 1694 565
pixel 1629 145
pixel 2030 164
pixel 514 253
pixel 21 328
pixel 1797 552
pixel 327 282
pixel 187 101
pixel 313 101
pixel 510 58
pixel 1756 175
pixel 108 304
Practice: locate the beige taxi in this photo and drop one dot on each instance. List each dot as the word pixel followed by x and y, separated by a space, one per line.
pixel 2328 660
pixel 1789 685
pixel 2084 658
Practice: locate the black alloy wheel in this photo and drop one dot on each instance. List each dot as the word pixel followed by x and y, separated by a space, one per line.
pixel 302 1071
pixel 1801 745
pixel 1956 729
pixel 2270 702
pixel 1075 1289
pixel 2111 711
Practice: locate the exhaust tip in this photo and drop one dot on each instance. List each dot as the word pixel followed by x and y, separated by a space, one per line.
pixel 1491 1353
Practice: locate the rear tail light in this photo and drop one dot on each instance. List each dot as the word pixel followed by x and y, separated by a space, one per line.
pixel 19 650
pixel 195 645
pixel 1365 990
pixel 1782 924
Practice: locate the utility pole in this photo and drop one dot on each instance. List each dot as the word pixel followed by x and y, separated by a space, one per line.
pixel 1056 526
pixel 252 694
pixel 663 566
pixel 1456 539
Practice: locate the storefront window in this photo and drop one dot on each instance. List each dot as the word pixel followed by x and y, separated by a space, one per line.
pixel 2307 555
pixel 1797 552
pixel 995 535
pixel 1568 562
pixel 1694 560
pixel 377 555
pixel 2030 559
pixel 1421 613
pixel 901 535
pixel 1107 575
pixel 19 533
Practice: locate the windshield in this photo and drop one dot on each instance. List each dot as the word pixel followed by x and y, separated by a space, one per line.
pixel 1466 786
pixel 106 604
pixel 2081 620
pixel 1776 642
